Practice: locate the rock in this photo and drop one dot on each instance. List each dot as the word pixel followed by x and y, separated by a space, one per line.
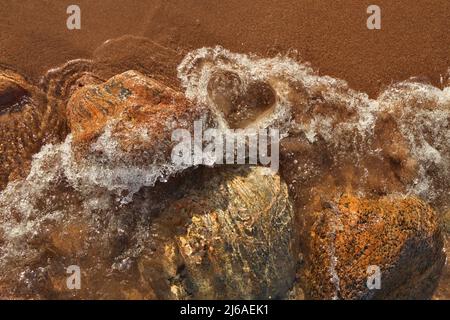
pixel 421 113
pixel 443 290
pixel 109 199
pixel 296 293
pixel 61 82
pixel 401 236
pixel 27 122
pixel 447 222
pixel 121 133
pixel 338 139
pixel 140 113
pixel 234 247
pixel 403 154
pixel 230 235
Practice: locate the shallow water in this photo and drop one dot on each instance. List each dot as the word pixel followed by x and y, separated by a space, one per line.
pixel 398 143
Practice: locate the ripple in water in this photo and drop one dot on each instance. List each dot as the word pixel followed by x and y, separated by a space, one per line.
pixel 406 130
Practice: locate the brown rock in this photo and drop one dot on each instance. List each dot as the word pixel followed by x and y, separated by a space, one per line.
pixel 141 114
pixel 27 122
pixel 229 235
pixel 61 82
pixel 447 222
pixel 443 290
pixel 240 241
pixel 401 236
pixel 122 133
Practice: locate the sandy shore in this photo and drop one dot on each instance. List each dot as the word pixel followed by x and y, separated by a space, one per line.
pixel 332 35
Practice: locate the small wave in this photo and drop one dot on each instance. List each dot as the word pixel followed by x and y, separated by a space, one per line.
pixel 319 108
pixel 325 108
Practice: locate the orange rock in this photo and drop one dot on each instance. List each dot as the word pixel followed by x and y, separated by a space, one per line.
pixel 140 114
pixel 27 122
pixel 400 236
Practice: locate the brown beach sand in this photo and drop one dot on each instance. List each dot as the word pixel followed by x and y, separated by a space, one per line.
pixel 332 35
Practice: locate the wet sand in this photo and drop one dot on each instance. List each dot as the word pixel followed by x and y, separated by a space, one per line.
pixel 414 39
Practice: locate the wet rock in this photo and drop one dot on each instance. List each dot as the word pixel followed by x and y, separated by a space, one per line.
pixel 400 236
pixel 12 94
pixel 340 141
pixel 61 82
pixel 27 122
pixel 447 222
pixel 132 103
pixel 220 232
pixel 204 233
pixel 121 132
pixel 230 235
pixel 232 246
pixel 443 290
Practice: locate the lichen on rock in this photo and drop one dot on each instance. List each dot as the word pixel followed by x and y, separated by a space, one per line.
pixel 400 236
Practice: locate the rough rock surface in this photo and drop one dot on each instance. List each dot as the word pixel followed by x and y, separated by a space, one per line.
pixel 339 141
pixel 233 246
pixel 368 179
pixel 27 122
pixel 229 235
pixel 206 233
pixel 443 290
pixel 399 235
pixel 131 102
pixel 121 132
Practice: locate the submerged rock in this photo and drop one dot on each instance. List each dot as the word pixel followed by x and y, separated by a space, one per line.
pixel 27 122
pixel 205 233
pixel 110 200
pixel 339 141
pixel 230 235
pixel 238 242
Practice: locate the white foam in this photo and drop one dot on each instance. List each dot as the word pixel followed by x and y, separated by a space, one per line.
pixel 426 130
pixel 27 205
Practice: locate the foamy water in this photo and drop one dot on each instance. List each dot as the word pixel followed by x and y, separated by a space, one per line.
pixel 421 110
